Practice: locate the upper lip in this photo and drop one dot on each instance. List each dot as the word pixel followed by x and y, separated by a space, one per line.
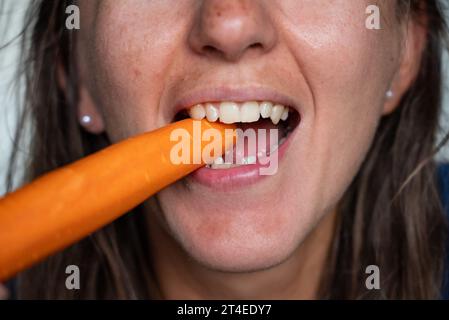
pixel 239 94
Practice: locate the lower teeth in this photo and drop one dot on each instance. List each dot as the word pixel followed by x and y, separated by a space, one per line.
pixel 247 160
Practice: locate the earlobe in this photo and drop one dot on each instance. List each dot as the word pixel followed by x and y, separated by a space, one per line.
pixel 89 117
pixel 411 56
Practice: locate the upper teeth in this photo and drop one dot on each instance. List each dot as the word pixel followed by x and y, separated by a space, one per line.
pixel 231 112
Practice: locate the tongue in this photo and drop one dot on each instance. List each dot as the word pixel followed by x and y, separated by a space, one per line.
pixel 254 140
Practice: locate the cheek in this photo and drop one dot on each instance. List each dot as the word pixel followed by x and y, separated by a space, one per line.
pixel 348 106
pixel 126 61
pixel 348 69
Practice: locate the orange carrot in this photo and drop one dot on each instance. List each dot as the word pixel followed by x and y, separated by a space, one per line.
pixel 69 203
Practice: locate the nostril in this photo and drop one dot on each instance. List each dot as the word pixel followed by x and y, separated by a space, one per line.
pixel 210 49
pixel 256 46
pixel 227 53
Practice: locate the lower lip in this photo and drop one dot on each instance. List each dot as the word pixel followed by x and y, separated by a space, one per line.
pixel 233 178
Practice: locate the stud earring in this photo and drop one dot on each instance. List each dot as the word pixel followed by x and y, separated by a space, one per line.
pixel 86 120
pixel 389 94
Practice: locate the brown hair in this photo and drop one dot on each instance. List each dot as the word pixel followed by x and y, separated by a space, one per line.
pixel 391 216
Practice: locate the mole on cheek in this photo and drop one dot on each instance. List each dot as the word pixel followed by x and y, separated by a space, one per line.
pixel 137 73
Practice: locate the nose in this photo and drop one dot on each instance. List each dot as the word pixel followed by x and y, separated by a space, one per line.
pixel 230 28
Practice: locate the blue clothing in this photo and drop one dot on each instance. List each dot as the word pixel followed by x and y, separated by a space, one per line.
pixel 443 177
pixel 443 174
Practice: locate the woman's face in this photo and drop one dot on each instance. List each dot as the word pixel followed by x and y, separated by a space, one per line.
pixel 141 60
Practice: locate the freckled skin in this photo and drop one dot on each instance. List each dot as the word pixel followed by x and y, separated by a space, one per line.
pixel 138 57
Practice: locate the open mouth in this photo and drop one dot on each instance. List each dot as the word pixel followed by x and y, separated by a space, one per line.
pixel 257 116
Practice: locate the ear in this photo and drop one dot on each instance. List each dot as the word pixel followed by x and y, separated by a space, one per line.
pixel 414 42
pixel 86 106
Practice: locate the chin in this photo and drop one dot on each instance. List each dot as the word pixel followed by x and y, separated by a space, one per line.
pixel 239 241
pixel 237 259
